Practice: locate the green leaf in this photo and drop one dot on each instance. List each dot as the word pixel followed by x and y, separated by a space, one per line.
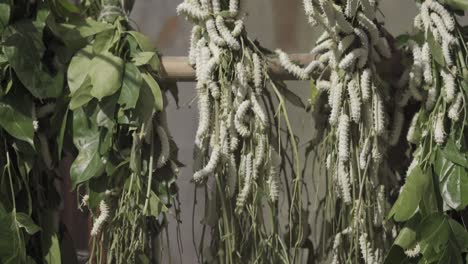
pixel 313 95
pixel 53 255
pixel 459 234
pixel 457 4
pixel 132 82
pixel 61 136
pixel 143 42
pixel 443 167
pixel 147 58
pixel 291 97
pixel 4 16
pixel 88 163
pixel 434 231
pixel 156 207
pixel 105 40
pixel 23 220
pixel 436 49
pixel 453 187
pixel 410 196
pixel 106 75
pixel 155 89
pixel 407 236
pixel 79 67
pixel 396 255
pixel 82 96
pixel 16 123
pixel 452 153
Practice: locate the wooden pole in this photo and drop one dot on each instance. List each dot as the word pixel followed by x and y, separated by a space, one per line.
pixel 178 69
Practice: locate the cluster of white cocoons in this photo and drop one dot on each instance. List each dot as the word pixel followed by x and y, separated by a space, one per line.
pixel 101 219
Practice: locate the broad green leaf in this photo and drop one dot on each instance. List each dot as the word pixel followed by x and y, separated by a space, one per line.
pixel 16 123
pixel 82 96
pixel 443 167
pixel 459 234
pixel 105 40
pixel 453 186
pixel 156 207
pixel 407 236
pixel 53 255
pixel 144 108
pixel 23 220
pixel 106 75
pixel 79 68
pixel 434 231
pixel 131 85
pixel 457 4
pixel 452 153
pixel 147 58
pixel 143 42
pixel 9 244
pixel 410 196
pixel 155 89
pixel 436 49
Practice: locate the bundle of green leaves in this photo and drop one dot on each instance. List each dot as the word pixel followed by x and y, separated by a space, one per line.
pixel 433 202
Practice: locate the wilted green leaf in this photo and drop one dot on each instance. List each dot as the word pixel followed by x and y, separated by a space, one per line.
pixel 143 42
pixel 132 82
pixel 155 89
pixel 156 207
pixel 23 220
pixel 106 75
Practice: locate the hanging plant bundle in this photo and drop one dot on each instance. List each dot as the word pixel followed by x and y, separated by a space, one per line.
pixel 234 148
pixel 356 127
pixel 435 194
pixel 126 159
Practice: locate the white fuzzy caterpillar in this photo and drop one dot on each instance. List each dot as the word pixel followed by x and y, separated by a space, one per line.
pixel 350 58
pixel 241 74
pixel 257 72
pixel 328 10
pixel 379 115
pixel 431 98
pixel 439 130
pixel 440 25
pixel 314 65
pixel 234 143
pixel 103 216
pixel 344 182
pixel 449 86
pixel 343 138
pixel 241 128
pixel 363 38
pixel 455 108
pixel 204 120
pixel 366 250
pixel 425 16
pixel 192 11
pixel 201 175
pixel 336 244
pixel 413 252
pixel 368 9
pixel 336 101
pixel 346 42
pixel 426 60
pixel 364 153
pixel 260 151
pixel 383 48
pixel 213 33
pixel 226 34
pixel 413 135
pixel 366 84
pixel 397 126
pixel 323 86
pixel 238 27
pixel 341 21
pixel 258 110
pixel 323 47
pixel 244 193
pixel 328 58
pixel 370 27
pixel 448 19
pixel 233 7
pixel 351 8
pixel 273 177
pixel 446 43
pixel 216 6
pixel 194 38
pixel 291 67
pixel 308 7
pixel 355 101
pixel 165 148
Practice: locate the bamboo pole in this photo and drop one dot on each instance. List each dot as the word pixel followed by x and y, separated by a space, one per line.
pixel 178 69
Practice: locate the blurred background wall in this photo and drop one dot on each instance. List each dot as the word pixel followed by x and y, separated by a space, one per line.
pixel 276 24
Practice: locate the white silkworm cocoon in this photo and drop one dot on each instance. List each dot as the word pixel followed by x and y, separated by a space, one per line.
pixel 350 58
pixel 439 130
pixel 427 65
pixel 354 101
pixel 322 47
pixel 103 216
pixel 213 33
pixel 210 167
pixel 192 11
pixel 413 131
pixel 233 7
pixel 344 182
pixel 366 84
pixel 194 38
pixel 370 27
pixel 328 10
pixel 257 71
pixel 242 128
pixel 238 27
pixel 343 138
pixel 165 147
pixel 379 115
pixel 290 67
pixel 365 151
pixel 351 8
pixel 204 122
pixel 216 6
pixel 455 108
pixel 346 42
pixel 366 251
pixel 258 110
pixel 413 252
pixel 336 100
pixel 226 34
pixel 448 19
pixel 323 85
pixel 431 98
pixel 449 85
pixel 397 126
pixel 341 22
pixel 383 48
